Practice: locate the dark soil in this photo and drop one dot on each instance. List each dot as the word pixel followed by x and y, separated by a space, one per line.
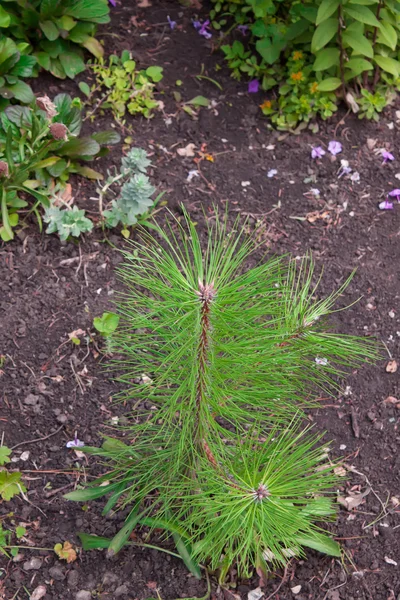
pixel 51 388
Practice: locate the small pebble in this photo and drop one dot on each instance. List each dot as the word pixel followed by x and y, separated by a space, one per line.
pixel 83 595
pixel 122 590
pixel 32 565
pixel 56 573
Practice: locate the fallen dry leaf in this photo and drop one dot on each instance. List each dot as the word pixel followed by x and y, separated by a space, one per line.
pixel 65 552
pixel 187 150
pixel 340 471
pixel 391 367
pixel 390 400
pixel 353 499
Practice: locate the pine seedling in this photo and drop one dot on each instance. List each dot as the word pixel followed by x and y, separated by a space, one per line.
pixel 218 363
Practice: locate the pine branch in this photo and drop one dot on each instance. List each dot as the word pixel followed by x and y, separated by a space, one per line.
pixel 216 360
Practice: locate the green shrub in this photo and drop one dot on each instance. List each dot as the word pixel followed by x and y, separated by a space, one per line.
pixel 218 363
pixel 15 64
pixel 57 31
pixel 40 146
pixel 123 88
pixel 314 52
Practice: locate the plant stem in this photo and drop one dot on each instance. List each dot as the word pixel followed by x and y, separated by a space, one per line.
pixel 341 49
pixel 206 295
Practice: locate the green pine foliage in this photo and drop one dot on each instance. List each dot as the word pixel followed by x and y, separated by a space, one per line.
pixel 218 363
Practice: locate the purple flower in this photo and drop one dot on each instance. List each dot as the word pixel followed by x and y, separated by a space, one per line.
pixel 395 194
pixel 244 29
pixel 335 147
pixel 202 28
pixel 317 152
pixel 112 2
pixel 172 24
pixel 75 443
pixel 253 86
pixel 387 156
pixel 386 205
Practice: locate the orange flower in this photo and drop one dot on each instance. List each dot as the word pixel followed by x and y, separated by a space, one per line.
pixel 297 76
pixel 267 104
pixel 297 55
pixel 209 157
pixel 314 87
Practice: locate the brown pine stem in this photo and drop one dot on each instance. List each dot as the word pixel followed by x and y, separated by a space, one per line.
pixel 206 294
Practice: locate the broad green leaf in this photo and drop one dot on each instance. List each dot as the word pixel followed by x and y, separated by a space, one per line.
pixel 20 532
pixel 90 493
pixel 326 58
pixel 326 10
pixel 4 453
pixel 390 65
pixel 78 147
pixel 184 550
pixel 7 49
pixel 321 543
pixel 94 47
pixel 72 64
pixel 84 87
pixel 19 115
pixel 89 10
pixel 50 30
pixel 107 323
pixel 88 172
pixel 363 14
pixel 13 219
pixel 358 65
pixel 323 34
pixel 92 542
pixel 58 168
pixel 364 2
pixel 124 533
pixel 22 92
pixel 268 50
pixel 5 18
pixel 43 59
pixel 66 23
pixel 199 101
pixel 47 162
pixel 359 43
pixel 387 35
pixel 57 69
pixel 329 85
pixel 107 138
pixel 155 73
pixel 10 484
pixel 81 32
pixel 24 67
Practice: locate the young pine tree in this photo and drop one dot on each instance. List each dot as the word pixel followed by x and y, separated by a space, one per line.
pixel 219 362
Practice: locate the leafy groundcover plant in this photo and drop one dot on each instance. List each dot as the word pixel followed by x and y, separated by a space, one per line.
pixel 219 362
pixel 40 146
pixel 311 54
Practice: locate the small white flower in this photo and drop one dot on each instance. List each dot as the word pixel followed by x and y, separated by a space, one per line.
pixel 271 173
pixel 191 174
pixel 315 192
pixel 321 361
pixel 355 177
pixel 75 443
